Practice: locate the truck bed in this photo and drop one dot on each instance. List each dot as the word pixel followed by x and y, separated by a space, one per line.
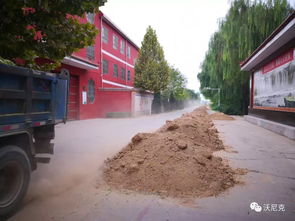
pixel 30 98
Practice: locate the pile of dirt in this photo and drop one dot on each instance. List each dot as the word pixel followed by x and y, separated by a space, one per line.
pixel 220 116
pixel 175 161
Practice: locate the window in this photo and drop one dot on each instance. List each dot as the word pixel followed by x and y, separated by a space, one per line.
pixel 105 34
pixel 115 70
pixel 128 52
pixel 91 91
pixel 90 18
pixel 123 73
pixel 105 67
pixel 122 47
pixel 134 61
pixel 90 52
pixel 115 42
pixel 128 75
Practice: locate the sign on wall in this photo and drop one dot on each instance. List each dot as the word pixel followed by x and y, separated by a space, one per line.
pixel 274 84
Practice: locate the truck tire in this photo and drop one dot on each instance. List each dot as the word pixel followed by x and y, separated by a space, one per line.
pixel 15 171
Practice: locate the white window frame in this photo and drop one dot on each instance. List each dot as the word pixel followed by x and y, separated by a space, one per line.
pixel 128 52
pixel 115 42
pixel 105 64
pixel 122 47
pixel 90 52
pixel 91 91
pixel 117 73
pixel 123 72
pixel 90 17
pixel 105 35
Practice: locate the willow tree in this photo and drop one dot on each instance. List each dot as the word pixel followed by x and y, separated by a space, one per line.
pixel 31 29
pixel 244 28
pixel 151 68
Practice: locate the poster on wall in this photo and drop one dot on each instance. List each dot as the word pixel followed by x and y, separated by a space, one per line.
pixel 274 84
pixel 84 97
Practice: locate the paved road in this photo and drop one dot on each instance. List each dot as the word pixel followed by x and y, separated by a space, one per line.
pixel 67 189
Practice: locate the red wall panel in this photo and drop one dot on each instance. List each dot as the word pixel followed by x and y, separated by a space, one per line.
pixel 114 101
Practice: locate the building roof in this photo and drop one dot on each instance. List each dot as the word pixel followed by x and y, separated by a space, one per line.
pixel 112 24
pixel 278 38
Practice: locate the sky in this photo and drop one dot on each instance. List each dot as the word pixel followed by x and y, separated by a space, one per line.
pixel 183 27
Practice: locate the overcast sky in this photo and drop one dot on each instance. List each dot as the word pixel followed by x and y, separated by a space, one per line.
pixel 183 27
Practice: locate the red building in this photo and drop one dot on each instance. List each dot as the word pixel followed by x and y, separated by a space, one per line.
pixel 102 75
pixel 272 67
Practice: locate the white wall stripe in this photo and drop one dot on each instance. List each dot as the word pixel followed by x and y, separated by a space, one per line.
pixel 118 59
pixel 116 84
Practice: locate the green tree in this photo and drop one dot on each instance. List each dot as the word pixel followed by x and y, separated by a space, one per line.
pixel 177 95
pixel 176 86
pixel 151 68
pixel 192 95
pixel 244 28
pixel 47 29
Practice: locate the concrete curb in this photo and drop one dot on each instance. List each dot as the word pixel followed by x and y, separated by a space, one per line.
pixel 285 130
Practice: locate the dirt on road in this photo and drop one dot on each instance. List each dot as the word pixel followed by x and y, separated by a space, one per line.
pixel 175 161
pixel 220 116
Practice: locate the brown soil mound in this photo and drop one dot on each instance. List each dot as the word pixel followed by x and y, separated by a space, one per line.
pixel 220 116
pixel 174 161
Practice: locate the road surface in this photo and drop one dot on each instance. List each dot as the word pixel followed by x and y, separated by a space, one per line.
pixel 69 187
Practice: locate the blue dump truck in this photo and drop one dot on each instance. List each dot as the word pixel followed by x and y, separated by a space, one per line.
pixel 31 104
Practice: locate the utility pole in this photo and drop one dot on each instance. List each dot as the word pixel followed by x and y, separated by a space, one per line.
pixel 214 89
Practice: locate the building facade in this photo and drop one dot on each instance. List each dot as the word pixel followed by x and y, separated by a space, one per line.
pixel 102 75
pixel 272 67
